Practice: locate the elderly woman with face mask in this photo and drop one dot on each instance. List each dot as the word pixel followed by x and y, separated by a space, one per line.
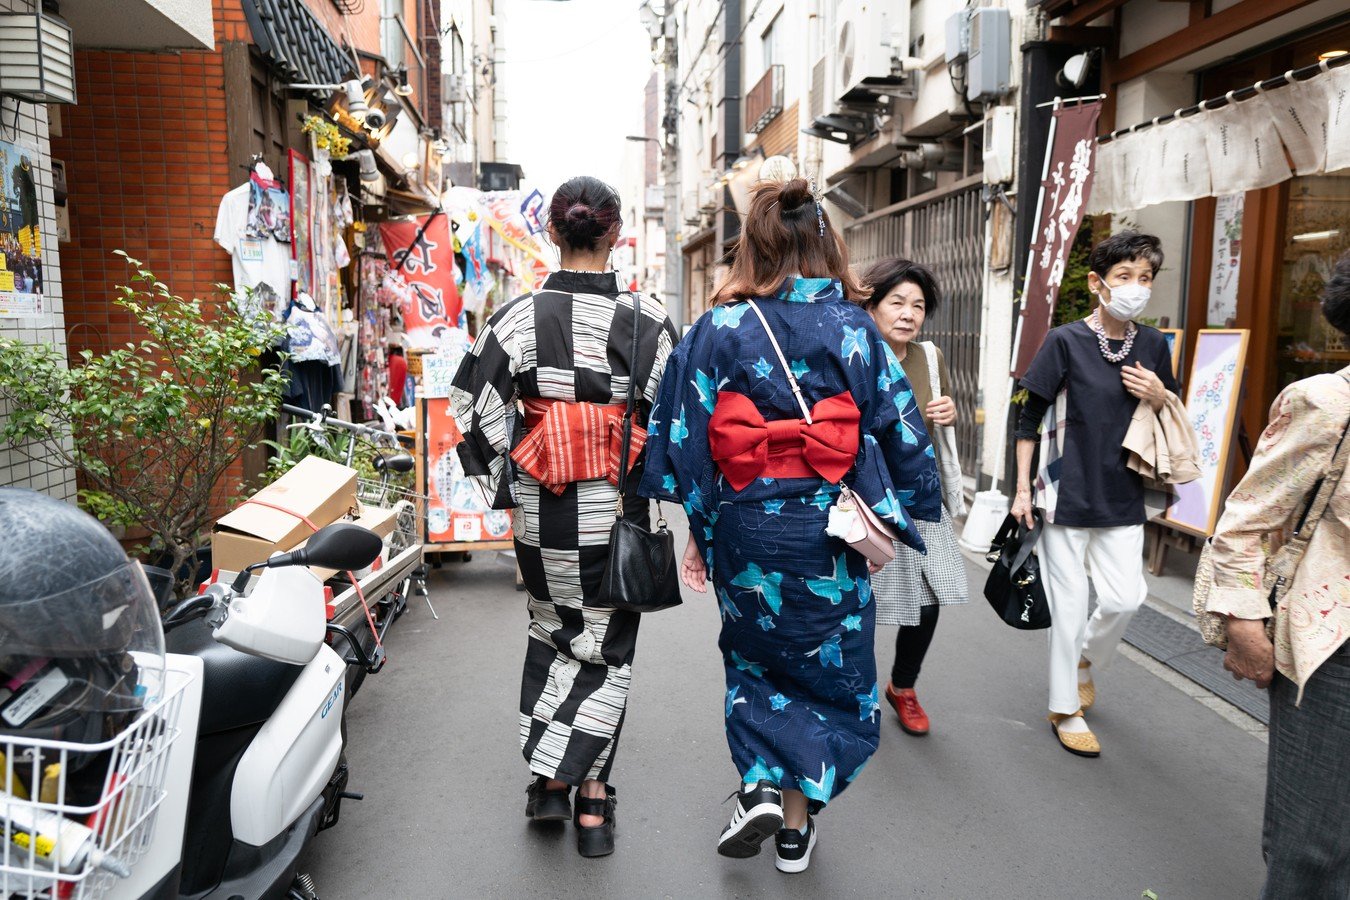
pixel 1091 375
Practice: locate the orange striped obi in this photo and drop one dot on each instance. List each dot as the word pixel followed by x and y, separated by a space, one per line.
pixel 568 442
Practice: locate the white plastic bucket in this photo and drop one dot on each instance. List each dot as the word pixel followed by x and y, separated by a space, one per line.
pixel 986 515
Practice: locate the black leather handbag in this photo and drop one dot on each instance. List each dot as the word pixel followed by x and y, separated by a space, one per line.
pixel 640 573
pixel 1014 587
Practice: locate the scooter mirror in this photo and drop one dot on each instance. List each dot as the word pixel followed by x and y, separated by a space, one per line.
pixel 342 546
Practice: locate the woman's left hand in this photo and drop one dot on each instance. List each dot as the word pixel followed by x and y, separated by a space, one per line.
pixel 1250 653
pixel 873 568
pixel 1145 384
pixel 693 571
pixel 942 411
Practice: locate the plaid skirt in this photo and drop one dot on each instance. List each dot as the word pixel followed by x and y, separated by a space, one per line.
pixel 914 581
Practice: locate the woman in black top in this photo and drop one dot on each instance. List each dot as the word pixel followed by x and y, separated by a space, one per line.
pixel 1090 376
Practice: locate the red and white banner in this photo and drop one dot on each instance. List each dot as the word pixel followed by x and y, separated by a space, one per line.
pixel 1066 182
pixel 428 265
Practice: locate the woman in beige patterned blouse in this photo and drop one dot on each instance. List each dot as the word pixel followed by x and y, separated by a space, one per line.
pixel 1305 837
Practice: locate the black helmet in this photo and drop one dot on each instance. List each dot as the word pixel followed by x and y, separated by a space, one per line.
pixel 81 645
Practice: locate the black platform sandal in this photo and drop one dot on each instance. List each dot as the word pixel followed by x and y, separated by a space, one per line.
pixel 544 804
pixel 597 840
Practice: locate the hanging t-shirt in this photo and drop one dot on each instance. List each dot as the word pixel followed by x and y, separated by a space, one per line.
pixel 1096 490
pixel 261 264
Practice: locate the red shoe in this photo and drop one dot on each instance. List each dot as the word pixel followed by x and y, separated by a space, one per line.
pixel 913 720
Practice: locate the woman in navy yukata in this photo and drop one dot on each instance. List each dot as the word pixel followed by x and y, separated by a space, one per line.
pixel 728 441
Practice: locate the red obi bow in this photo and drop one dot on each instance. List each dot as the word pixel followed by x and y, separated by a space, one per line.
pixel 746 447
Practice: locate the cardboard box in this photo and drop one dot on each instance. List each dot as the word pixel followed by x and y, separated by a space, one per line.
pixel 316 488
pixel 380 521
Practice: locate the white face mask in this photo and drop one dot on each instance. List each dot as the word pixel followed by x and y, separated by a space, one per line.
pixel 1128 301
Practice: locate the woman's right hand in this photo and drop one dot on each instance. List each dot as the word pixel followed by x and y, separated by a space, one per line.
pixel 1022 509
pixel 693 571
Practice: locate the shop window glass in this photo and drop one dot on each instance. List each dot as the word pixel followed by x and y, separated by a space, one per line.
pixel 1316 234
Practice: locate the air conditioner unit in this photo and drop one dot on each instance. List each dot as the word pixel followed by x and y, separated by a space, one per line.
pixel 868 35
pixel 452 87
pixel 689 208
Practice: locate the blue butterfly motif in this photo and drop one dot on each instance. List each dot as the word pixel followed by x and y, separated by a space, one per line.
pixel 806 290
pixel 818 715
pixel 766 622
pixel 864 593
pixel 903 400
pixel 653 426
pixel 678 431
pixel 767 480
pixel 890 507
pixel 767 585
pixel 832 587
pixel 820 790
pixel 853 623
pixel 884 382
pixel 830 654
pixel 857 771
pixel 760 771
pixel 695 498
pixel 728 316
pixel 773 507
pixel 823 497
pixel 707 389
pixel 763 369
pixel 907 434
pixel 856 344
pixel 928 452
pixel 800 369
pixel 708 536
pixel 745 665
pixel 732 699
pixel 868 705
pixel 778 701
pixel 729 610
pixel 668 483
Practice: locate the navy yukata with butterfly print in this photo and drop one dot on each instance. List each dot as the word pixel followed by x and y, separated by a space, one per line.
pixel 802 706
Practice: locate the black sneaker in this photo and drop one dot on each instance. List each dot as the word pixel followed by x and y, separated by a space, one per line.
pixel 758 814
pixel 794 847
pixel 545 805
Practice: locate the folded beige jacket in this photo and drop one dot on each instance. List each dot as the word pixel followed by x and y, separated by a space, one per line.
pixel 1162 446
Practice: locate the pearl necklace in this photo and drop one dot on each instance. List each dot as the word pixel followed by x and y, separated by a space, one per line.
pixel 1130 331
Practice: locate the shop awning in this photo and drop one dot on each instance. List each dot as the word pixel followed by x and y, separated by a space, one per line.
pixel 297 42
pixel 141 24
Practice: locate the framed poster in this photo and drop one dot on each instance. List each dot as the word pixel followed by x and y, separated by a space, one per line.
pixel 302 223
pixel 1176 337
pixel 1213 396
pixel 20 234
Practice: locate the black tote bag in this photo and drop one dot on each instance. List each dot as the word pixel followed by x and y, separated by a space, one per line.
pixel 640 574
pixel 1014 587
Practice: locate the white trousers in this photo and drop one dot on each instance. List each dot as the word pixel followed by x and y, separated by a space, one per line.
pixel 1116 558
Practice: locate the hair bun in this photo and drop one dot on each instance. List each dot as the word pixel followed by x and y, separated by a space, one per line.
pixel 795 194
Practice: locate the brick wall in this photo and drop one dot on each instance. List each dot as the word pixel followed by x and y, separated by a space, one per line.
pixel 145 168
pixel 15 467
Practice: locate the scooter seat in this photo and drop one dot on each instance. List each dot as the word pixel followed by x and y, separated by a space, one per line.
pixel 238 689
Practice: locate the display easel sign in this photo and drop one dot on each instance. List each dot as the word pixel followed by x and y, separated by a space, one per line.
pixel 456 517
pixel 1213 396
pixel 1176 338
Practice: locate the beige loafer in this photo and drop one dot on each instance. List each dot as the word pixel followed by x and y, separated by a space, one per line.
pixel 1079 743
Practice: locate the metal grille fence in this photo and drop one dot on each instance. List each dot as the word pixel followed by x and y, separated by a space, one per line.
pixel 947 235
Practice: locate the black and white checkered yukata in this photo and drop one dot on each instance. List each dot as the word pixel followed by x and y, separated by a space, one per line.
pixel 570 341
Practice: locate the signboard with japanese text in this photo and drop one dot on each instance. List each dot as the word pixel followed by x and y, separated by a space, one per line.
pixel 455 512
pixel 1225 261
pixel 20 234
pixel 1065 185
pixel 422 251
pixel 1213 394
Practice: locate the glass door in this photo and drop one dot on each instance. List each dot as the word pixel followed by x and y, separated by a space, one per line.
pixel 1317 233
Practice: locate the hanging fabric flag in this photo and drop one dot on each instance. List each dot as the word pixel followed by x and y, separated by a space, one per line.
pixel 1338 118
pixel 1065 184
pixel 1299 111
pixel 476 278
pixel 532 210
pixel 425 257
pixel 1245 152
pixel 1102 200
pixel 1181 163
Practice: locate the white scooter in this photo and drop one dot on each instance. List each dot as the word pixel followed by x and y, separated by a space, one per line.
pixel 266 770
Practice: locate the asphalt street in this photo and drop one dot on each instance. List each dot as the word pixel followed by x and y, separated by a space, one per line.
pixel 988 805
